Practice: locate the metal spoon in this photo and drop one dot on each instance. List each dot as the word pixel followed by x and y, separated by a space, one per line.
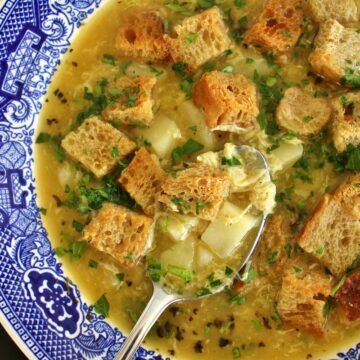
pixel 161 298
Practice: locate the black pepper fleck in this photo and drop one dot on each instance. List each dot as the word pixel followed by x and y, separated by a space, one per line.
pixel 199 347
pixel 179 336
pixel 261 344
pixel 223 342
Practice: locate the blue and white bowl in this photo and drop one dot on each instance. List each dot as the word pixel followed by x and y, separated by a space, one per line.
pixel 35 297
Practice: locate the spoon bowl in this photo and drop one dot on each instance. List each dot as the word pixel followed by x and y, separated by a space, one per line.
pixel 162 297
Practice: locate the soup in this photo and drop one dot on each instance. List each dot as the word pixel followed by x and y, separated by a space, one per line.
pixel 243 320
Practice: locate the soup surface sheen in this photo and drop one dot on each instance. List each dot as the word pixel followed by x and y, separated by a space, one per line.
pixel 221 326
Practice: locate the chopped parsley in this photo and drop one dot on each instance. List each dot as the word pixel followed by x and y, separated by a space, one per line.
pixel 193 129
pixel 200 205
pixel 184 274
pixel 109 59
pixel 77 226
pixel 189 39
pixel 120 277
pixel 320 250
pixel 114 152
pixel 156 71
pixel 272 257
pixel 308 118
pixel 93 264
pixel 206 4
pixel 233 161
pixel 256 324
pixel 178 7
pixel 351 80
pixel 190 147
pixel 182 205
pixel 102 306
pixel 228 69
pixel 43 137
pixel 240 3
pixel 249 275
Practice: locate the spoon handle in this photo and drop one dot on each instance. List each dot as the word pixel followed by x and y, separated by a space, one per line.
pixel 159 301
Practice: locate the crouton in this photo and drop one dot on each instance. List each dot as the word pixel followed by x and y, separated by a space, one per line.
pixel 134 102
pixel 98 146
pixel 120 232
pixel 142 179
pixel 199 38
pixel 199 190
pixel 226 99
pixel 342 11
pixel 278 27
pixel 302 113
pixel 302 298
pixel 141 36
pixel 346 126
pixel 336 52
pixel 332 234
pixel 349 296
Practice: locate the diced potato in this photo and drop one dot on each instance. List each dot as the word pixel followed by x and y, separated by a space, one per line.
pixel 180 254
pixel 163 135
pixel 194 117
pixel 179 226
pixel 228 230
pixel 287 155
pixel 203 256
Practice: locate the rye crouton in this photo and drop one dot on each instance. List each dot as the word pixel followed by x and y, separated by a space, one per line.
pixel 226 99
pixel 120 232
pixel 98 146
pixel 134 102
pixel 343 11
pixel 198 190
pixel 278 27
pixel 199 38
pixel 303 113
pixel 349 296
pixel 337 52
pixel 346 126
pixel 142 179
pixel 302 298
pixel 141 36
pixel 332 234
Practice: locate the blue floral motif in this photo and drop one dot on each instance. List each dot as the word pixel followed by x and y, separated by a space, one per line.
pixel 56 300
pixel 352 354
pixel 52 320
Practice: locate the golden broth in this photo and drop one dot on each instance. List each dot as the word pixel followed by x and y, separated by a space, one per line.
pixel 212 321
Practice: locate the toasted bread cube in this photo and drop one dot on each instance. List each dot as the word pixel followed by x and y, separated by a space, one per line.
pixel 349 296
pixel 336 51
pixel 303 113
pixel 142 179
pixel 141 36
pixel 226 99
pixel 333 231
pixel 346 126
pixel 134 104
pixel 120 232
pixel 98 146
pixel 278 27
pixel 343 11
pixel 302 298
pixel 199 38
pixel 198 190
